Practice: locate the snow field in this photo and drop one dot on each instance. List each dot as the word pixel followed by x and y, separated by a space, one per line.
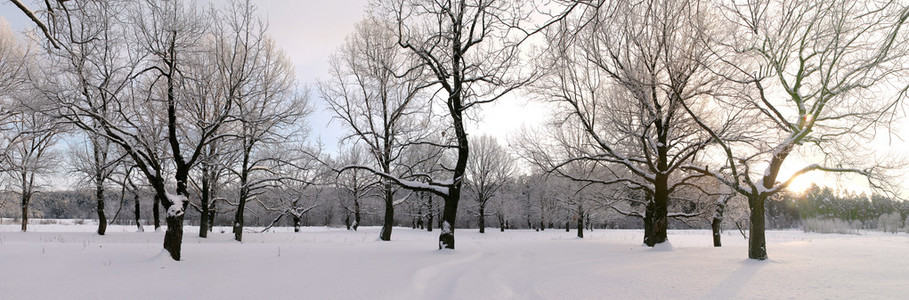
pixel 70 261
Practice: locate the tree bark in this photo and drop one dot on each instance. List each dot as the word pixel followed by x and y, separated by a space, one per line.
pixel 356 214
pixel 156 211
pixel 244 193
pixel 449 214
pixel 173 237
pixel 204 199
pixel 580 221
pixel 482 218
pixel 25 200
pixel 429 216
pixel 716 224
pixel 238 221
pixel 297 223
pixel 211 216
pixel 648 224
pixel 389 214
pixel 455 109
pixel 99 196
pixel 502 222
pixel 757 244
pixel 138 214
pixel 660 213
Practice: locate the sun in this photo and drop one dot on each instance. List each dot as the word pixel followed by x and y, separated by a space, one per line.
pixel 805 181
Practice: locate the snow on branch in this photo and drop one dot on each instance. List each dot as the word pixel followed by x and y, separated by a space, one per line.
pixel 432 186
pixel 31 15
pixel 816 167
pixel 627 213
pixel 176 205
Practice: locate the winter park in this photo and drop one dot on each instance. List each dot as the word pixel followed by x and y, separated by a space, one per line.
pixel 458 149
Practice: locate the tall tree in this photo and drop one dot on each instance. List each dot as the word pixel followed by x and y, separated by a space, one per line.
pixel 470 50
pixel 619 72
pixel 353 186
pixel 816 75
pixel 373 90
pixel 257 80
pixel 488 170
pixel 29 152
pixel 149 98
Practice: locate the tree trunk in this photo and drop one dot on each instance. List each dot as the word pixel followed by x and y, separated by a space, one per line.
pixel 99 196
pixel 138 214
pixel 389 220
pixel 297 222
pixel 588 223
pixel 757 244
pixel 580 222
pixel 25 200
pixel 502 222
pixel 244 191
pixel 450 212
pixel 211 216
pixel 156 213
pixel 173 237
pixel 347 221
pixel 648 224
pixel 567 225
pixel 455 109
pixel 238 220
pixel 660 214
pixel 717 222
pixel 356 222
pixel 482 218
pixel 715 226
pixel 429 216
pixel 204 199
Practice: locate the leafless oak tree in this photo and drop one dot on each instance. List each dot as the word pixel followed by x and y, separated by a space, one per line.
pixel 820 76
pixel 488 170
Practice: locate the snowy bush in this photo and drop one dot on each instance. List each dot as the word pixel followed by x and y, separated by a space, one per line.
pixel 831 226
pixel 890 222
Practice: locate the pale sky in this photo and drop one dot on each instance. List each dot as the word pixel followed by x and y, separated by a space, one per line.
pixel 309 31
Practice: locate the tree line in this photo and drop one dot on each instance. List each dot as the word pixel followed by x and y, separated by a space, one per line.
pixel 660 110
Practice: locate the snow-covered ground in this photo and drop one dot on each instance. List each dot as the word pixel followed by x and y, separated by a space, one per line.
pixel 72 262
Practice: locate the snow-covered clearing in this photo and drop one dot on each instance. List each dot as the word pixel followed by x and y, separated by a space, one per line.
pixel 72 262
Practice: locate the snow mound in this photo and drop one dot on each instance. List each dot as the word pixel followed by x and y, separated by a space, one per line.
pixel 665 246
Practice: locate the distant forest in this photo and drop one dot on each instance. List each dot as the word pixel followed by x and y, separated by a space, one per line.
pixel 786 210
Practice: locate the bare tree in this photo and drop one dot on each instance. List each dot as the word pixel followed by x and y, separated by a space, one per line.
pixel 470 49
pixel 12 80
pixel 29 153
pixel 488 170
pixel 298 190
pixel 620 71
pixel 815 75
pixel 148 93
pixel 12 64
pixel 96 162
pixel 373 90
pixel 353 185
pixel 256 79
